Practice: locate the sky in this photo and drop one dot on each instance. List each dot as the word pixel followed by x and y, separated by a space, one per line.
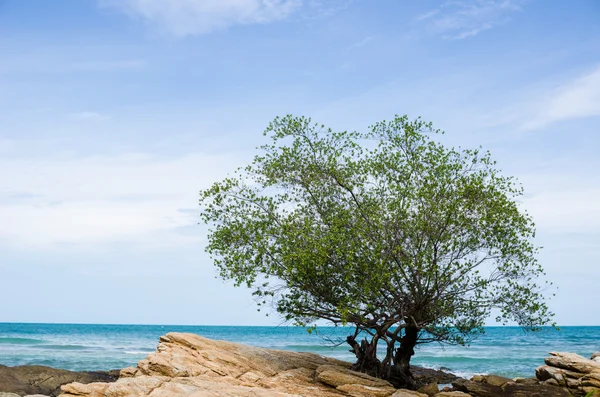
pixel 115 113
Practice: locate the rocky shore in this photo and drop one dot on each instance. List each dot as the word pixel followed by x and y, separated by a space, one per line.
pixel 190 365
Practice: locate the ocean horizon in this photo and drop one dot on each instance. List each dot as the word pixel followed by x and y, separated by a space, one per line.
pixel 502 350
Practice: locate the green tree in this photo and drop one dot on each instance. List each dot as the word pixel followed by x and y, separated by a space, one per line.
pixel 387 230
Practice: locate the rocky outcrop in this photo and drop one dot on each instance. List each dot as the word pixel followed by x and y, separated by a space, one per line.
pixel 497 386
pixel 578 374
pixel 36 379
pixel 190 365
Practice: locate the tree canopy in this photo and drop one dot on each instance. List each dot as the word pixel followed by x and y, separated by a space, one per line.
pixel 385 230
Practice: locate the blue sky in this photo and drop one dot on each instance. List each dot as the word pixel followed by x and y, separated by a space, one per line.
pixel 115 113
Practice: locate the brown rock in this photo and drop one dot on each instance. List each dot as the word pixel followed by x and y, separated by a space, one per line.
pixel 478 378
pixel 521 390
pixel 366 391
pixel 37 379
pixel 190 365
pixel 527 381
pixel 496 380
pixel 337 376
pixel 591 392
pixel 424 376
pixel 572 362
pixel 452 394
pixel 479 389
pixel 127 372
pixel 510 389
pixel 431 389
pixel 407 393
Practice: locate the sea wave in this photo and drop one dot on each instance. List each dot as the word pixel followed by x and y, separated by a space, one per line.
pixel 20 341
pixel 69 347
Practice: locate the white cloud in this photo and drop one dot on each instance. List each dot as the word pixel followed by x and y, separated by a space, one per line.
pixel 193 17
pixel 109 65
pixel 563 203
pixel 89 116
pixel 96 200
pixel 458 20
pixel 363 42
pixel 574 99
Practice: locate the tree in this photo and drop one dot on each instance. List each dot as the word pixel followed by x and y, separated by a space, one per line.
pixel 388 231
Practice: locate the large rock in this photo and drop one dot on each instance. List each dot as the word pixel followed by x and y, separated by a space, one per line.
pixel 580 375
pixel 509 389
pixel 190 365
pixel 572 362
pixel 37 379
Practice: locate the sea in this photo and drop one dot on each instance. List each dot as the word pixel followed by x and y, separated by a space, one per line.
pixel 506 351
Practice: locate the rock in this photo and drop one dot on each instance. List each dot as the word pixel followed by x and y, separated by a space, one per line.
pixel 430 389
pixel 573 362
pixel 479 389
pixel 452 394
pixel 512 389
pixel 186 364
pixel 576 373
pixel 366 391
pixel 595 357
pixel 46 381
pixel 591 392
pixel 478 378
pixel 127 372
pixel 6 394
pixel 522 390
pixel 407 393
pixel 527 381
pixel 424 376
pixel 496 380
pixel 338 376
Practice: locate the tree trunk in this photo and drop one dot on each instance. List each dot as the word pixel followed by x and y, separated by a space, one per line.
pixel 366 356
pixel 401 375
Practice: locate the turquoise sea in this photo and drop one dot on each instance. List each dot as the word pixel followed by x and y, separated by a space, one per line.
pixel 504 351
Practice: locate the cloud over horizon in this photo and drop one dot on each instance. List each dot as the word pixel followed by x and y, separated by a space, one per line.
pixel 577 98
pixel 193 17
pixel 87 201
pixel 457 20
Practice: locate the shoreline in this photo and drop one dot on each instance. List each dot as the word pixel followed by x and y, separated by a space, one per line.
pixel 504 351
pixel 220 365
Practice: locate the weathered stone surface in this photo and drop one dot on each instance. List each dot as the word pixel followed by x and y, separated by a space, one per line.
pixel 430 389
pixel 479 389
pixel 573 362
pixel 452 394
pixel 496 380
pixel 595 356
pixel 591 392
pixel 37 379
pixel 127 372
pixel 408 393
pixel 366 391
pixel 425 376
pixel 190 365
pixel 509 389
pixel 6 394
pixel 337 376
pixel 576 373
pixel 527 381
pixel 522 390
pixel 478 378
